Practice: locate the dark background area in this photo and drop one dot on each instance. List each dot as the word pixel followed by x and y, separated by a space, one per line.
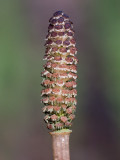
pixel 23 28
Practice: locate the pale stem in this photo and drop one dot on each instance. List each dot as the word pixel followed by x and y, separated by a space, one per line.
pixel 60 144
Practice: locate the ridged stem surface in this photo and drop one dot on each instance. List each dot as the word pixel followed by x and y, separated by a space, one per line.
pixel 60 143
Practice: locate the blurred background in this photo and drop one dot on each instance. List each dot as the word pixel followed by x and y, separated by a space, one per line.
pixel 23 28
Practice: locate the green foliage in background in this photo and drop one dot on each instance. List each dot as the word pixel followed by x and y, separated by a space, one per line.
pixel 109 27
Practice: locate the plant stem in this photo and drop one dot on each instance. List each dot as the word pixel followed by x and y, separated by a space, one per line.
pixel 60 144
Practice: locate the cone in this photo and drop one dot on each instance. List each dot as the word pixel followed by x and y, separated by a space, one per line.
pixel 60 73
